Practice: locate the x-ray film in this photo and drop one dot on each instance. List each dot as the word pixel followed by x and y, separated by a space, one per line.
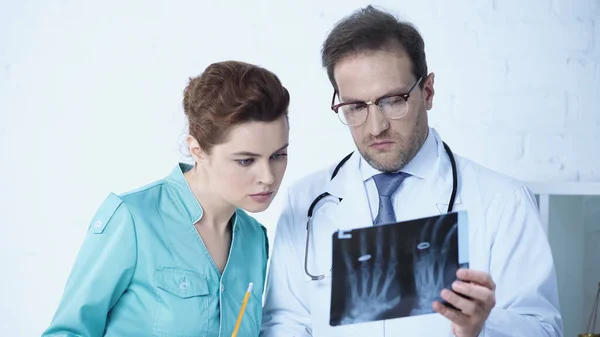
pixel 396 270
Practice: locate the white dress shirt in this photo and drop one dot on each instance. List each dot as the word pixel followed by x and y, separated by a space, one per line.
pixel 419 168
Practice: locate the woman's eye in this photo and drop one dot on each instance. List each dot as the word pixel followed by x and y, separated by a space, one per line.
pixel 279 156
pixel 245 162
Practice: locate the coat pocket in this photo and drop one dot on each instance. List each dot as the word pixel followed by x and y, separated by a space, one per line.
pixel 182 308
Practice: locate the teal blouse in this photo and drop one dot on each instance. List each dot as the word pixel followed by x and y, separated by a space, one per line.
pixel 143 270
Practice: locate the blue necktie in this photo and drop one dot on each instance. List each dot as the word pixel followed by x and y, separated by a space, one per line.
pixel 387 184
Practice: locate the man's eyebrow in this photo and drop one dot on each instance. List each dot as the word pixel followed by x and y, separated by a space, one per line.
pixel 397 91
pixel 252 154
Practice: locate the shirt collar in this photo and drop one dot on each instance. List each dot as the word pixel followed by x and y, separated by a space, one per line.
pixel 420 166
pixel 183 193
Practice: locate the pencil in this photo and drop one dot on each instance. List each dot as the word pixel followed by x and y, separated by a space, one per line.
pixel 239 319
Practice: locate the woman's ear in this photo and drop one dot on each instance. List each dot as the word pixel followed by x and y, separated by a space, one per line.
pixel 194 148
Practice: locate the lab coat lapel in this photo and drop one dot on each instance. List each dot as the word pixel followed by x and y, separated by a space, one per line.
pixel 440 185
pixel 353 211
pixel 328 217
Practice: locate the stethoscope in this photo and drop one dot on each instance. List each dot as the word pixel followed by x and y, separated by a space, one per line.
pixel 327 194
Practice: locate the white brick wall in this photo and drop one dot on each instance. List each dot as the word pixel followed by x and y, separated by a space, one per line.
pixel 524 78
pixel 580 9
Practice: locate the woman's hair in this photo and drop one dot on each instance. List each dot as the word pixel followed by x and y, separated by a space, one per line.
pixel 231 93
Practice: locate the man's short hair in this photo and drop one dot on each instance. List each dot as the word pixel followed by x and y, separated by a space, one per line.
pixel 370 29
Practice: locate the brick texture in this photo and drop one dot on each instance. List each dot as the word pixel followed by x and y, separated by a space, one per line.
pixel 525 78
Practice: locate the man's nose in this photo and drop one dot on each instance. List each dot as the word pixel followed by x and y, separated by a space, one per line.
pixel 376 121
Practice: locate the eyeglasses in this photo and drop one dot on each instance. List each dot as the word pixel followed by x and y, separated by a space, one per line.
pixel 355 112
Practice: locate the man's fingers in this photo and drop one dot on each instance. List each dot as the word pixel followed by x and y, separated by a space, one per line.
pixel 453 315
pixel 476 276
pixel 466 306
pixel 475 291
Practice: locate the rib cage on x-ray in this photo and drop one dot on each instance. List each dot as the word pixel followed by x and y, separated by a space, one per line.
pixel 393 271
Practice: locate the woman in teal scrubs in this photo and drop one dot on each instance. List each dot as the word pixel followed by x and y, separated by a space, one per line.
pixel 176 257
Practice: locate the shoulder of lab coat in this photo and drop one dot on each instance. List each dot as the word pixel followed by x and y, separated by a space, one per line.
pixel 520 258
pixel 102 271
pixel 286 311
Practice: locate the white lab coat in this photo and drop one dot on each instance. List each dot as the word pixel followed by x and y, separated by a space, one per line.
pixel 506 239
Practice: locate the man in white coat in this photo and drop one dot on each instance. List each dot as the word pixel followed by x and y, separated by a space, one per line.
pixel 383 92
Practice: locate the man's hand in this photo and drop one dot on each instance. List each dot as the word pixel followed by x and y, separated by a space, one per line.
pixel 478 290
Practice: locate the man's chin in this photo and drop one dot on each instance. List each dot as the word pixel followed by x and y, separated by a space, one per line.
pixel 385 161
